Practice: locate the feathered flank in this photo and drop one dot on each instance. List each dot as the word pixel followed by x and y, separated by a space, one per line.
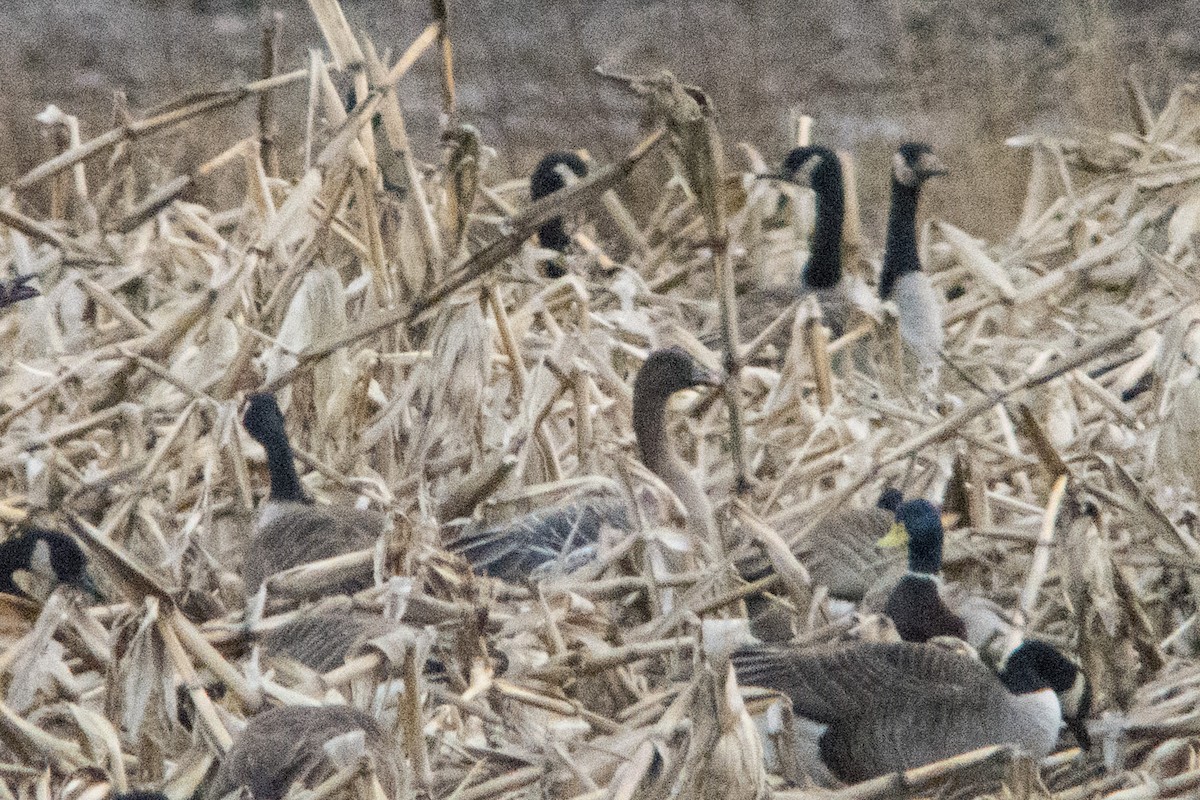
pixel 286 745
pixel 892 707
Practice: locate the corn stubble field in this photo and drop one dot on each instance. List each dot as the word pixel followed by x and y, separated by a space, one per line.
pixel 428 369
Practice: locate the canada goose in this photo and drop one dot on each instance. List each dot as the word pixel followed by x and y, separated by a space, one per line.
pixel 820 169
pixel 902 279
pixel 545 180
pixel 50 555
pixel 915 603
pixel 892 707
pixel 286 744
pixel 321 641
pixel 292 529
pixel 517 549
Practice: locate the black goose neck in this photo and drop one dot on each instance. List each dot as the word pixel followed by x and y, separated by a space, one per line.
pixel 281 464
pixel 900 253
pixel 824 267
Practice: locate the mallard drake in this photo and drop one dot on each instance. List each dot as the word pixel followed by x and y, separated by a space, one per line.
pixel 292 529
pixel 902 278
pixel 287 744
pixel 545 180
pixel 915 604
pixel 519 548
pixel 888 707
pixel 50 555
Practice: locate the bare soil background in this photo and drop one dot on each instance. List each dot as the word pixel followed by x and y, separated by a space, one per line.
pixel 962 75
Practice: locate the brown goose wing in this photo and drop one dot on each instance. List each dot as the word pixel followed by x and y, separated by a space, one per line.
pixel 840 553
pixel 322 641
pixel 828 684
pixel 284 744
pixel 302 533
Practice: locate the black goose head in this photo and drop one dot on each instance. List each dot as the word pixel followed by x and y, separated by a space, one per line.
pixel 914 163
pixel 545 180
pixel 820 169
pixel 48 554
pixel 1039 665
pixel 817 167
pixel 919 525
pixel 263 420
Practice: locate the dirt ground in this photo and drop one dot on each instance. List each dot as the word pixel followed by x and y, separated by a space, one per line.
pixel 962 75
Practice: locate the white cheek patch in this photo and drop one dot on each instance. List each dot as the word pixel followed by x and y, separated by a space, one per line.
pixel 1072 697
pixel 902 171
pixel 39 561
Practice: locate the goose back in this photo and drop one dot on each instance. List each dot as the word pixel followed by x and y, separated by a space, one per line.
pixel 286 744
pixel 840 553
pixel 322 641
pixel 531 543
pixel 889 707
pixel 291 533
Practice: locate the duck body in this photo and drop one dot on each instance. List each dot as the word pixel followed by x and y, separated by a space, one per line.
pixel 915 603
pixel 890 707
pixel 292 529
pixel 284 745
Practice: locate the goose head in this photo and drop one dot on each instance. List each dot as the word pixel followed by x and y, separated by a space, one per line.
pixel 818 168
pixel 890 499
pixel 667 371
pixel 914 163
pixel 547 178
pixel 918 525
pixel 263 420
pixel 1035 665
pixel 52 556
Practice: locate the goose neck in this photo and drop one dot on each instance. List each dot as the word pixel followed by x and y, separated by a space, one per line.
pixel 281 464
pixel 658 454
pixel 824 267
pixel 900 252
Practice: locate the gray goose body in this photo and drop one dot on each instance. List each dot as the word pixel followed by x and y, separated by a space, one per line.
pixel 518 549
pixel 891 707
pixel 292 529
pixel 559 535
pixel 284 745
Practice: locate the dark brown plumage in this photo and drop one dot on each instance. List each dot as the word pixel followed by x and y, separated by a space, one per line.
pixel 891 707
pixel 322 641
pixel 285 745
